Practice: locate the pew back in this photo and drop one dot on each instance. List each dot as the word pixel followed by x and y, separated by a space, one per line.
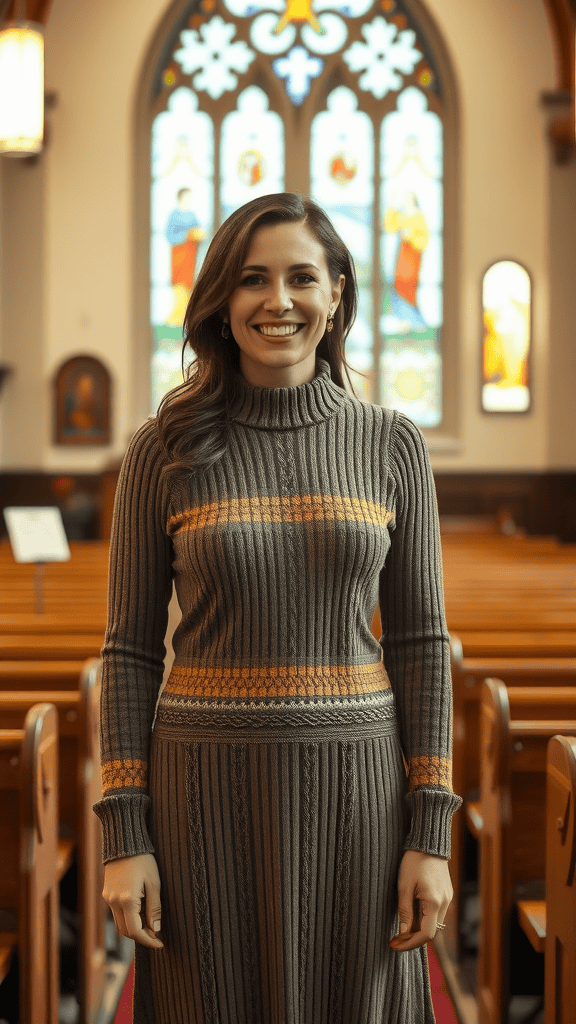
pixel 79 788
pixel 513 800
pixel 560 954
pixel 28 880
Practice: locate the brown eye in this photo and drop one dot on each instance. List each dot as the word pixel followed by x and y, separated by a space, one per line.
pixel 252 279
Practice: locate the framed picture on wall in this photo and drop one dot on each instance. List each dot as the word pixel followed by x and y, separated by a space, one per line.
pixel 82 402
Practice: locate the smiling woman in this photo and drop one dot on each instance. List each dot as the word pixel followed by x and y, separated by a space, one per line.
pixel 263 843
pixel 283 305
pixel 274 256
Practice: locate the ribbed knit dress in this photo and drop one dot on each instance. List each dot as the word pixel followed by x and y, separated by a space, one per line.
pixel 292 757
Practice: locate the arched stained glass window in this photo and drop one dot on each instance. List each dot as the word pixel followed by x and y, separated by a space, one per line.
pixel 506 317
pixel 341 101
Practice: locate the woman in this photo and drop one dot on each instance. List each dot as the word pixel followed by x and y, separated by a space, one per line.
pixel 267 815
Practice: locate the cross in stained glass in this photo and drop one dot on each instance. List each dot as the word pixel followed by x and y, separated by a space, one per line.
pixel 298 68
pixel 301 12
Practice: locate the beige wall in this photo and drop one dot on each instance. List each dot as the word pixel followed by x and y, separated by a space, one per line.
pixel 67 228
pixel 561 397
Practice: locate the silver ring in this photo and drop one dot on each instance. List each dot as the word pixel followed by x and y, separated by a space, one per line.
pixel 438 925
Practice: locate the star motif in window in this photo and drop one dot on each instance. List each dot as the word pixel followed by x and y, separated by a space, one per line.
pixel 382 56
pixel 211 52
pixel 298 68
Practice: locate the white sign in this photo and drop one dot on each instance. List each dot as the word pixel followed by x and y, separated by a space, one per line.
pixel 37 534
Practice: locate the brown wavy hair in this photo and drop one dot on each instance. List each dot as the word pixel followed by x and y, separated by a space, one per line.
pixel 192 418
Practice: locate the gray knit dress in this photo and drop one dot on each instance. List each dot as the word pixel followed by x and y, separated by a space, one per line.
pixel 292 757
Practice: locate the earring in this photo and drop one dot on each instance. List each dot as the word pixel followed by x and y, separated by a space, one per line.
pixel 225 332
pixel 330 321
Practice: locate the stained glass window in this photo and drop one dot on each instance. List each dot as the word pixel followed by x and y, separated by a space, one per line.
pixel 341 101
pixel 411 252
pixel 251 152
pixel 342 182
pixel 506 307
pixel 182 221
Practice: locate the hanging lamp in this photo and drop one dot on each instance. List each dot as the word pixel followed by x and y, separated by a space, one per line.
pixel 21 86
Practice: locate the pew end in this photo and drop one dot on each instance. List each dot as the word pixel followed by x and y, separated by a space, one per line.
pixel 532 920
pixel 513 805
pixel 560 945
pixel 79 787
pixel 28 881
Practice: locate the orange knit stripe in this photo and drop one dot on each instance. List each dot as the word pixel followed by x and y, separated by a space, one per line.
pixel 430 771
pixel 279 509
pixel 277 681
pixel 119 774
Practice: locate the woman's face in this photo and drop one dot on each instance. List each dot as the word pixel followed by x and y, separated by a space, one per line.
pixel 279 309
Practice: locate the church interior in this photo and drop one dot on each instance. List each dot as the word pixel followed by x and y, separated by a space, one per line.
pixel 440 137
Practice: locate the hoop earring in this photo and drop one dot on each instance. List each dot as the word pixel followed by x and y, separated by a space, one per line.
pixel 225 332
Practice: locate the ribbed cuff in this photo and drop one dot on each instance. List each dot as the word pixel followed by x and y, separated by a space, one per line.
pixel 124 827
pixel 432 811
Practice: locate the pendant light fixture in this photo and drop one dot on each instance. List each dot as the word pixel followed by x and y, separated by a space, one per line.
pixel 21 86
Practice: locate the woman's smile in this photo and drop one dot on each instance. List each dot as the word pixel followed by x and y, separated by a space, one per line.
pixel 280 331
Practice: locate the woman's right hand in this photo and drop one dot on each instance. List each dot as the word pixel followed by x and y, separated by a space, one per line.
pixel 127 882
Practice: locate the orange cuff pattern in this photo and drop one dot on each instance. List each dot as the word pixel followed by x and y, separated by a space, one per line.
pixel 430 771
pixel 123 774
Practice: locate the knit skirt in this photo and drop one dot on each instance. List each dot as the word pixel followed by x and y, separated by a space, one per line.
pixel 278 850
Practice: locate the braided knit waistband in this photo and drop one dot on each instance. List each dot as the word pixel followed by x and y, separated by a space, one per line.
pixel 278 719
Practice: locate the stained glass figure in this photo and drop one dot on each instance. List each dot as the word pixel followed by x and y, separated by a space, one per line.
pixel 411 258
pixel 182 218
pixel 342 181
pixel 251 151
pixel 506 302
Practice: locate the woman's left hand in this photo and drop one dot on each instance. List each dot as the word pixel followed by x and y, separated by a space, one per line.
pixel 424 894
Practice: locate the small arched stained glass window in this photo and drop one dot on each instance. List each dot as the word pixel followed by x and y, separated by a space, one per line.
pixel 339 100
pixel 506 321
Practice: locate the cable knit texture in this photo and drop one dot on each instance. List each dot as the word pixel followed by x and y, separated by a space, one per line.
pixel 321 506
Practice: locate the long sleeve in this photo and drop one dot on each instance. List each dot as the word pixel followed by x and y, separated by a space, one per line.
pixel 139 590
pixel 415 642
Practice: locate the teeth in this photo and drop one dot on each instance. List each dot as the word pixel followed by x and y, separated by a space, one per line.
pixel 277 332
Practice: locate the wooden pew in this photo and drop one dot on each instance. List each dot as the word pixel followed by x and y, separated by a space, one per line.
pixel 30 623
pixel 499 525
pixel 519 644
pixel 28 879
pixel 78 585
pixel 78 789
pixel 87 552
pixel 491 616
pixel 40 675
pixel 560 947
pixel 513 808
pixel 47 647
pixel 468 675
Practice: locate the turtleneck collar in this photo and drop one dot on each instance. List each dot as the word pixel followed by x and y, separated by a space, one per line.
pixel 287 408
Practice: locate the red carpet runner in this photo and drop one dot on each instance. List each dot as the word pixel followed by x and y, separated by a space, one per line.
pixel 443 1008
